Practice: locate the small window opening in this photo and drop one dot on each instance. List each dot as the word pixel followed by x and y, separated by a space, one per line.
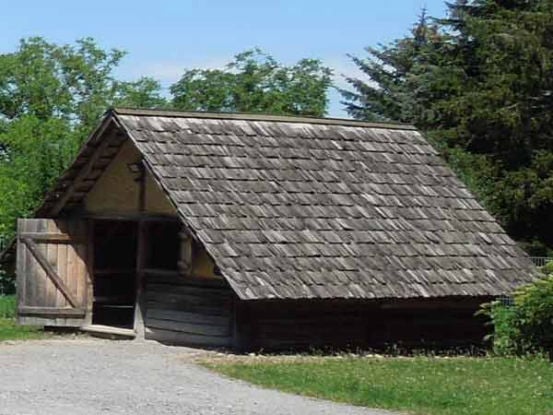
pixel 162 246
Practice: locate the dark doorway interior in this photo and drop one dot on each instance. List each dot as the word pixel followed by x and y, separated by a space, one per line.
pixel 115 250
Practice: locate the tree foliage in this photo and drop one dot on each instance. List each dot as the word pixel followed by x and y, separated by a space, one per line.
pixel 392 74
pixel 524 326
pixel 51 96
pixel 255 82
pixel 480 84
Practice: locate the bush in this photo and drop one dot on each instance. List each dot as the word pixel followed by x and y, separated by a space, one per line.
pixel 525 325
pixel 7 306
pixel 7 283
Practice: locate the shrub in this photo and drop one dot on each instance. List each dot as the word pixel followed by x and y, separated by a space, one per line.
pixel 506 333
pixel 525 325
pixel 7 306
pixel 7 283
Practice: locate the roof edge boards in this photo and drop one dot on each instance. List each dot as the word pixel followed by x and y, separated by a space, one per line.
pixel 259 117
pixel 98 142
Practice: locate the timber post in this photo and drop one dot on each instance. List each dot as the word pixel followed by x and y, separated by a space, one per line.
pixel 139 309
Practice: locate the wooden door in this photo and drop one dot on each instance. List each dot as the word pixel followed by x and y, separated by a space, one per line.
pixel 52 278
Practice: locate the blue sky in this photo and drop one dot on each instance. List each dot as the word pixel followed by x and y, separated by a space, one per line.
pixel 165 36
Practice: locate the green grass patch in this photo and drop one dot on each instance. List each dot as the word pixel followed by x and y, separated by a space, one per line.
pixel 420 385
pixel 7 306
pixel 9 330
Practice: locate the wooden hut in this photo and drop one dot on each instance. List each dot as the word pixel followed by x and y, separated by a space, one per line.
pixel 252 231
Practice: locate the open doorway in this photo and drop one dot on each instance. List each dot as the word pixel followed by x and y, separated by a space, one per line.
pixel 114 272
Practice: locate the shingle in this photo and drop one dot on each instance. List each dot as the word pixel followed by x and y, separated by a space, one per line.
pixel 314 210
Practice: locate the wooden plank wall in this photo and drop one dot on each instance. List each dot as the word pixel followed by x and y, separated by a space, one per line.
pixel 61 245
pixel 335 324
pixel 187 311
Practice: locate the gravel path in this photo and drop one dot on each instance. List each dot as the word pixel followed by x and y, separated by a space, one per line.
pixel 89 376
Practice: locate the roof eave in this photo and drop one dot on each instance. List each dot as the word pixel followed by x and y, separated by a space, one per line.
pixel 259 117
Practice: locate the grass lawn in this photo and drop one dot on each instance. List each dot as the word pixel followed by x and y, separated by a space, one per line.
pixel 420 385
pixel 9 330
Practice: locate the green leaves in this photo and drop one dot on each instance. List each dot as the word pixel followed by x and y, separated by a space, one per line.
pixel 526 326
pixel 38 151
pixel 46 80
pixel 255 82
pixel 143 93
pixel 51 96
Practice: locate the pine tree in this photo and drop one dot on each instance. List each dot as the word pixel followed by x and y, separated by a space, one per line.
pixel 390 69
pixel 480 84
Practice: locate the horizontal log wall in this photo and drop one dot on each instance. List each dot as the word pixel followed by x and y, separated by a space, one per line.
pixel 186 311
pixel 338 324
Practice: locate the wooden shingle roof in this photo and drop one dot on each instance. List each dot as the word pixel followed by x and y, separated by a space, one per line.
pixel 309 208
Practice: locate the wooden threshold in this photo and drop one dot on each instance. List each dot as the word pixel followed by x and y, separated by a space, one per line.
pixel 101 330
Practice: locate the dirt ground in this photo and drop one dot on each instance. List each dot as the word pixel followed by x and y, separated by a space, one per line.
pixel 92 376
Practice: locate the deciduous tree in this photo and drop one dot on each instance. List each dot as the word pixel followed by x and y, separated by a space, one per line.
pixel 51 96
pixel 256 82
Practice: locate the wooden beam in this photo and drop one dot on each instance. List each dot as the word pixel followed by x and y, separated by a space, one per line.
pixel 433 304
pixel 142 188
pixel 259 117
pixel 74 322
pixel 108 330
pixel 132 217
pixel 47 236
pixel 139 308
pixel 141 250
pixel 185 256
pixel 83 173
pixel 160 272
pixel 90 271
pixel 52 274
pixel 50 311
pixel 20 273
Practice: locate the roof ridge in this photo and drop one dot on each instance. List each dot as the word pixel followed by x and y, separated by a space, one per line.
pixel 258 117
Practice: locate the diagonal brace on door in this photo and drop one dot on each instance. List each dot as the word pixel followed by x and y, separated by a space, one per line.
pixel 52 274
